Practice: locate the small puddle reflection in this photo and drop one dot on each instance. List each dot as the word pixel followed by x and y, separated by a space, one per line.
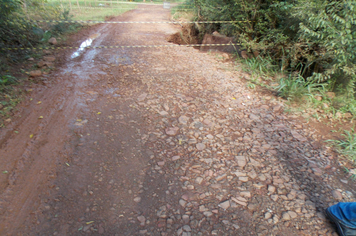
pixel 85 44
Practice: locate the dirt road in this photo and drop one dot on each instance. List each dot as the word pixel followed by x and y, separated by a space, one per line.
pixel 159 141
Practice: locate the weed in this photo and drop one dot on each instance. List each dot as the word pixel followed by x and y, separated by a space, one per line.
pixel 251 85
pixel 345 104
pixel 259 67
pixel 347 146
pixel 297 88
pixel 351 173
pixel 316 116
pixel 292 88
pixel 7 80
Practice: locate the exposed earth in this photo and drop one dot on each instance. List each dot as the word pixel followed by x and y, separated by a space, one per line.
pixel 160 141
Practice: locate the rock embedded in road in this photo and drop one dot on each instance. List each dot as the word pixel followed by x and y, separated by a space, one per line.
pixel 35 73
pixel 183 120
pixel 225 205
pixel 137 199
pixel 337 194
pixel 241 161
pixel 142 97
pixel 200 146
pixel 172 131
pixel 175 158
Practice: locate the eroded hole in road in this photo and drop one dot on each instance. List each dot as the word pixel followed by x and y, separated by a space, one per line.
pixel 188 35
pixel 85 44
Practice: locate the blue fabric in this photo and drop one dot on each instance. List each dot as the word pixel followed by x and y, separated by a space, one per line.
pixel 346 212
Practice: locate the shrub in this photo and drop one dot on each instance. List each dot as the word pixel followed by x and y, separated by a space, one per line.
pixel 314 38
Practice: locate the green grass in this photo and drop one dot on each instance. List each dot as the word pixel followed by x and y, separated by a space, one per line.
pixel 261 70
pixel 94 14
pixel 9 96
pixel 292 88
pixel 260 67
pixel 350 173
pixel 91 10
pixel 184 10
pixel 347 145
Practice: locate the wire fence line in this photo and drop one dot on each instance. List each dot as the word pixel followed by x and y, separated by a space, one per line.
pixel 127 8
pixel 123 46
pixel 136 22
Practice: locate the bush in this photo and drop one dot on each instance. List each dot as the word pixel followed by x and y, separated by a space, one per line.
pixel 315 39
pixel 17 28
pixel 330 28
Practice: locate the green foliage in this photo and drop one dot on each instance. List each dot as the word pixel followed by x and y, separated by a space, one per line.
pixel 7 80
pixel 46 36
pixel 14 29
pixel 315 39
pixel 292 88
pixel 347 146
pixel 296 88
pixel 261 66
pixel 17 28
pixel 350 173
pixel 331 27
pixel 345 104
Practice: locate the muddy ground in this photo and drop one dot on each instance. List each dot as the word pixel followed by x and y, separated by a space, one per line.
pixel 160 141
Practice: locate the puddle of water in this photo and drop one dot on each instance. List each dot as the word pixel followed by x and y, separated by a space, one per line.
pixel 85 44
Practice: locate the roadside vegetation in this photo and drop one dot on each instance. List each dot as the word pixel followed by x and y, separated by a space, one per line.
pixel 303 51
pixel 19 28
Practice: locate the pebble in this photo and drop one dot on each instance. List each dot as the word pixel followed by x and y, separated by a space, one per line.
pixel 225 205
pixel 142 97
pixel 142 220
pixel 271 189
pixel 274 197
pixel 49 58
pixel 182 203
pixel 174 158
pixel 183 119
pixel 245 194
pixel 208 213
pixel 52 41
pixel 275 219
pixel 199 180
pixel 163 113
pixel 200 146
pixel 137 199
pixel 292 214
pixel 297 136
pixel 240 201
pixel 187 228
pixel 35 73
pixel 337 194
pixel 241 161
pixel 268 215
pixel 172 131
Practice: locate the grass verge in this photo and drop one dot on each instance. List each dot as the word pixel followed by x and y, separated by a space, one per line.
pixel 347 145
